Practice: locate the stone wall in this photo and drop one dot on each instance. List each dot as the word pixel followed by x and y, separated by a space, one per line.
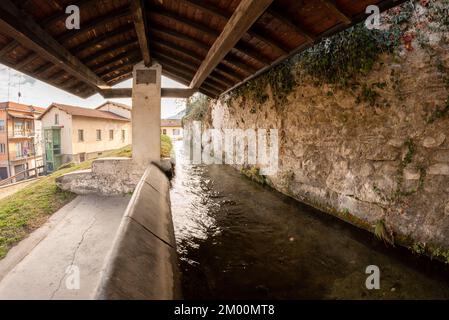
pixel 375 151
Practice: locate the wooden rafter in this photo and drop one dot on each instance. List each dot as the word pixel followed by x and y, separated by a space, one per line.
pixel 243 18
pixel 95 23
pixel 223 70
pixel 335 10
pixel 27 32
pixel 105 37
pixel 224 16
pixel 141 25
pixel 241 47
pixel 165 93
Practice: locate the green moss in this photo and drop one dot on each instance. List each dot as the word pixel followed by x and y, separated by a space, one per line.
pixel 381 232
pixel 253 173
pixel 280 79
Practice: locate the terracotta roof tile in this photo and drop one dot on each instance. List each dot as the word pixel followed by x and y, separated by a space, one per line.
pixel 85 112
pixel 171 123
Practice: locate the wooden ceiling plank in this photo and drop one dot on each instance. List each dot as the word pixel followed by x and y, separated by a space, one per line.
pixel 30 58
pixel 243 18
pixel 89 44
pixel 199 59
pixel 141 26
pixel 95 23
pixel 287 20
pixel 25 30
pixel 243 48
pixel 8 48
pixel 190 67
pixel 331 4
pixel 116 59
pixel 216 12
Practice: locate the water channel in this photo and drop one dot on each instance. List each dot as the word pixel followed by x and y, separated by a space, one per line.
pixel 239 240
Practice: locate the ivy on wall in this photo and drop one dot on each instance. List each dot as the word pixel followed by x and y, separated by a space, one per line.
pixel 340 59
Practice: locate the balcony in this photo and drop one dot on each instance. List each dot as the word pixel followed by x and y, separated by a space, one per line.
pixel 20 134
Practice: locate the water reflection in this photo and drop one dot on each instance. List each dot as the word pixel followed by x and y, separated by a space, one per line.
pixel 238 240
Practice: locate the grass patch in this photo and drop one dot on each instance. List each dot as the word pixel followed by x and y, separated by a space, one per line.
pixel 28 209
pixel 166 146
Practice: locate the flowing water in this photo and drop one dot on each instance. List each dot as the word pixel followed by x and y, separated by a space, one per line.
pixel 239 240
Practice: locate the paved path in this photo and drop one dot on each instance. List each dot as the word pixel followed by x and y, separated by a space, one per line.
pixel 6 191
pixel 77 237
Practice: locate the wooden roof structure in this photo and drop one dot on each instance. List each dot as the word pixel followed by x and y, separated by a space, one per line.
pixel 209 45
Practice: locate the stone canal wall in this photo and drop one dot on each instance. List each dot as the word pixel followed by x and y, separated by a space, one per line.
pixel 363 124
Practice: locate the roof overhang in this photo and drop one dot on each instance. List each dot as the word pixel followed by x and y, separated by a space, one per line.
pixel 209 47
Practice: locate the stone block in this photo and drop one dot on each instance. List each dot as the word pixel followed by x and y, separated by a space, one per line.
pixel 439 169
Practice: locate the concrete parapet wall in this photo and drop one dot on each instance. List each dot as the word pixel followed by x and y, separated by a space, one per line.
pixel 143 261
pixel 108 176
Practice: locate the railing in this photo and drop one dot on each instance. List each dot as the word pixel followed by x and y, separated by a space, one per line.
pixel 26 173
pixel 23 156
pixel 22 133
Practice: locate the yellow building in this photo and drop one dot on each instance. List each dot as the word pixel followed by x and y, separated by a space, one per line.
pixel 172 128
pixel 78 134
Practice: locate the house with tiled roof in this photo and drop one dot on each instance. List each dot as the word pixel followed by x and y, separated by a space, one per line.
pixel 77 134
pixel 20 140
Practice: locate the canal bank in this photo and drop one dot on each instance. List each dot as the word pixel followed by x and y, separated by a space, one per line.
pixel 239 240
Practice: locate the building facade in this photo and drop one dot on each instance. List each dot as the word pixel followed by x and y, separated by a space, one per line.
pixel 78 134
pixel 20 140
pixel 172 128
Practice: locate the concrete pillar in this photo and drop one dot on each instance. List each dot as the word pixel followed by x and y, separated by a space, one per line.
pixel 146 114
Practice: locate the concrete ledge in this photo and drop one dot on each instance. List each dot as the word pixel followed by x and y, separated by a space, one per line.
pixel 108 177
pixel 143 261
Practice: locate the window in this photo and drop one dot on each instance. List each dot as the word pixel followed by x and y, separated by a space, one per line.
pixel 164 131
pixel 80 135
pixel 56 119
pixel 123 135
pixel 98 135
pixel 2 148
pixel 176 132
pixel 2 125
pixel 19 150
pixel 111 134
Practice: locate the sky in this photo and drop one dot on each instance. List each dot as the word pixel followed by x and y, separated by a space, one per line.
pixel 40 94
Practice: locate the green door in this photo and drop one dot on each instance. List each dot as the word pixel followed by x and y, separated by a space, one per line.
pixel 52 148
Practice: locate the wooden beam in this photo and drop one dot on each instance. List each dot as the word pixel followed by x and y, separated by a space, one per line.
pixel 141 25
pixel 243 48
pixel 228 60
pixel 224 16
pixel 26 31
pixel 285 19
pixel 95 23
pixel 130 59
pixel 62 16
pixel 225 71
pixel 118 47
pixel 334 8
pixel 168 74
pixel 177 93
pixel 179 64
pixel 243 18
pixel 113 61
pixel 129 63
pixel 97 41
pixel 8 48
pixel 30 58
pixel 165 93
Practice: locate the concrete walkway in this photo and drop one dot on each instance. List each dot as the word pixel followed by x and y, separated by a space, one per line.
pixel 75 240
